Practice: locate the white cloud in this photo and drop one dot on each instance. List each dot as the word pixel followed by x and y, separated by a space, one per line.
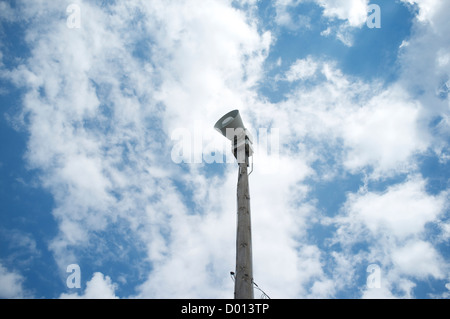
pixel 401 211
pixel 352 11
pixel 424 59
pixel 301 69
pixel 393 224
pixel 427 8
pixel 326 32
pixel 378 293
pixel 345 35
pixel 11 284
pixel 186 265
pixel 283 16
pixel 99 287
pixel 424 67
pixel 93 104
pixel 355 11
pixel 279 222
pixel 419 259
pixel 20 240
pixel 378 128
pixel 385 132
pixel 6 12
pixel 99 115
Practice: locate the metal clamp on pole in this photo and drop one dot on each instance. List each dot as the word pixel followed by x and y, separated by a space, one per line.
pixel 242 144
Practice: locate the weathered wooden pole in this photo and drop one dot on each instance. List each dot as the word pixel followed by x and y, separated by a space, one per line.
pixel 231 126
pixel 243 287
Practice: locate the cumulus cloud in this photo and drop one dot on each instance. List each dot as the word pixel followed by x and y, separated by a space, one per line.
pixel 11 284
pixel 354 11
pixel 427 9
pixel 392 225
pixel 99 287
pixel 6 12
pixel 100 115
pixel 344 17
pixel 102 101
pixel 419 259
pixel 425 54
pixel 375 127
pixel 385 133
pixel 283 17
pixel 402 211
pixel 425 69
pixel 301 69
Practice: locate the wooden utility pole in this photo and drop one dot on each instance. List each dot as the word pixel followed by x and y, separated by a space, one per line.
pixel 243 287
pixel 231 126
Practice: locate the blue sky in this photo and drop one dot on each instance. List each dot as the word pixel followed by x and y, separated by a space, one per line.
pixel 109 159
